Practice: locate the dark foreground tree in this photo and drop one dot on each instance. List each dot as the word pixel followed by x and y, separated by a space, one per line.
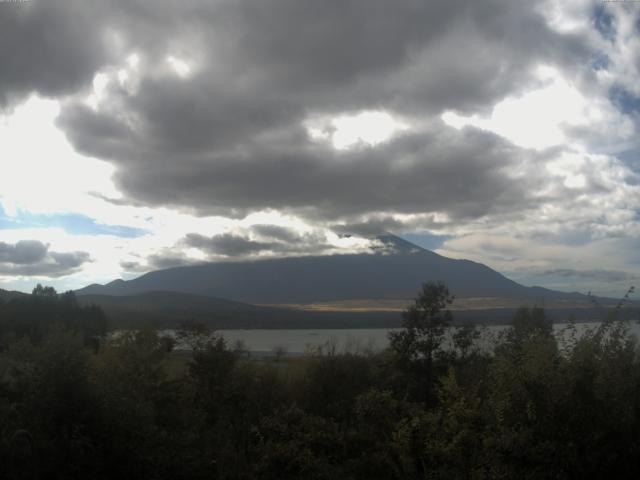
pixel 419 344
pixel 424 325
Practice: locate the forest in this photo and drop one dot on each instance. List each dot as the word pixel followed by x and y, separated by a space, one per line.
pixel 78 403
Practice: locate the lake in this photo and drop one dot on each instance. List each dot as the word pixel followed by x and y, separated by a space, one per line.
pixel 264 342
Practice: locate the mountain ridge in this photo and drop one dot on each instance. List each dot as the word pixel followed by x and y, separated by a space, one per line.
pixel 6 295
pixel 396 270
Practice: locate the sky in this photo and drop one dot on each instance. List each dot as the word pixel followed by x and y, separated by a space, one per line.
pixel 137 135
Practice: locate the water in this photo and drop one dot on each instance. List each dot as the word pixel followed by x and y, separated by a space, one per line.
pixel 300 341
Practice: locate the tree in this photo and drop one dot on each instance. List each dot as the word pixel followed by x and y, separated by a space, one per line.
pixel 530 322
pixel 41 291
pixel 465 340
pixel 279 351
pixel 419 344
pixel 424 325
pixel 294 444
pixel 195 335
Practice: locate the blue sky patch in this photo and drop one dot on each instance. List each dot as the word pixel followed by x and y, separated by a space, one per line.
pixel 624 100
pixel 72 223
pixel 603 22
pixel 427 240
pixel 600 62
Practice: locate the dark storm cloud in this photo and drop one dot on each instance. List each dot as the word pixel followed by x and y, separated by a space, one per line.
pixel 274 240
pixel 264 239
pixel 159 261
pixel 227 244
pixel 168 260
pixel 69 261
pixel 464 173
pixel 229 139
pixel 49 46
pixel 31 257
pixel 277 232
pixel 371 228
pixel 132 267
pixel 23 252
pixel 407 54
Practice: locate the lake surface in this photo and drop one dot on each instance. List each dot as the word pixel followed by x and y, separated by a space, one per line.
pixel 300 341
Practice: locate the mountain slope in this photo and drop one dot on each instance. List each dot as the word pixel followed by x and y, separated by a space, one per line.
pixel 396 271
pixel 6 295
pixel 169 309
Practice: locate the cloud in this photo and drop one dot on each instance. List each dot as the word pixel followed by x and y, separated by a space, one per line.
pixel 69 261
pixel 599 275
pixel 128 266
pixel 369 228
pixel 259 239
pixel 560 261
pixel 156 261
pixel 161 261
pixel 276 232
pixel 227 244
pixel 23 252
pixel 53 48
pixel 440 169
pixel 33 258
pixel 210 113
pixel 230 138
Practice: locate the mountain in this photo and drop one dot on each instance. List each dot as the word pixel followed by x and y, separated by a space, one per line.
pixel 6 295
pixel 395 271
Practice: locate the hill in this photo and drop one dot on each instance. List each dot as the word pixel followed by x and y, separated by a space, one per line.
pixel 167 309
pixel 6 295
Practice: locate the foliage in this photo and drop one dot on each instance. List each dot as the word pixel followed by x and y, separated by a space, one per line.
pixel 424 325
pixel 36 315
pixel 194 335
pixel 418 345
pixel 436 405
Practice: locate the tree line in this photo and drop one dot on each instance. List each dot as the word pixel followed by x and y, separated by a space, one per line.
pixel 531 406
